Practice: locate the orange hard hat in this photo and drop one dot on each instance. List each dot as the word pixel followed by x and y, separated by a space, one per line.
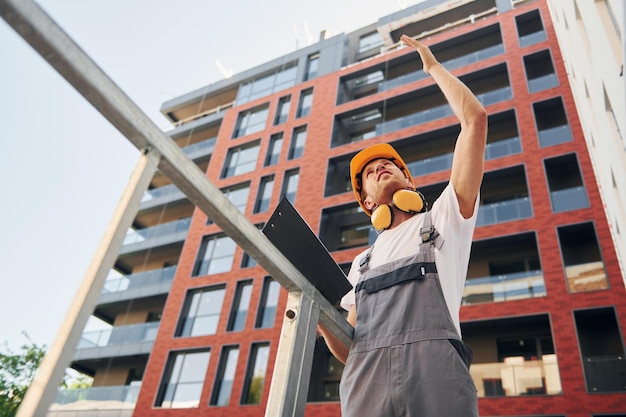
pixel 380 151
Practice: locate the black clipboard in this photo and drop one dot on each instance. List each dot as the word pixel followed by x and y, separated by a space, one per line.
pixel 293 237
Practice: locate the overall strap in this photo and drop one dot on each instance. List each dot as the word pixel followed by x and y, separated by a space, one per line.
pixel 430 236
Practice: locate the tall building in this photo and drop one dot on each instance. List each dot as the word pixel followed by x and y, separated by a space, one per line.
pixel 195 322
pixel 591 38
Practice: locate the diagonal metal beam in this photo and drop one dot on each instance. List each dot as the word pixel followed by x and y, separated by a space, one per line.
pixel 62 53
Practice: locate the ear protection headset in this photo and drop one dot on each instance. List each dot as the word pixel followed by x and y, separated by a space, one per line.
pixel 409 201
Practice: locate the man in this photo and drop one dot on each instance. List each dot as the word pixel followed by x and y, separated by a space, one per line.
pixel 407 357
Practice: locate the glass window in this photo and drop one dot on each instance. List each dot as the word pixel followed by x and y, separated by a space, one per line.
pixel 582 259
pixel 279 79
pixel 251 121
pixel 182 382
pixel 517 357
pixel 602 349
pixel 241 303
pixel 305 103
pixel 312 65
pixel 247 261
pixel 201 312
pixel 346 227
pixel 552 125
pixel 215 255
pixel 273 151
pixel 268 305
pixel 238 195
pixel 264 195
pixel 540 72
pixel 290 185
pixel 255 374
pixel 567 191
pixel 370 41
pixel 241 159
pixel 530 28
pixel 282 113
pixel 225 376
pixel 298 140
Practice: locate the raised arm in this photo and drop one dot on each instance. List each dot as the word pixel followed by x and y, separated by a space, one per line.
pixel 469 151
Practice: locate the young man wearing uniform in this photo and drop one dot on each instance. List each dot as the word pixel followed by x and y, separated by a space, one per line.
pixel 407 357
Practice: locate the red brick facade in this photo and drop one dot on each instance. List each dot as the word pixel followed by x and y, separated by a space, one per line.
pixel 558 304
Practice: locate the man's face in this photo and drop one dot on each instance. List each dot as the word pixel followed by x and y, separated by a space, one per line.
pixel 380 179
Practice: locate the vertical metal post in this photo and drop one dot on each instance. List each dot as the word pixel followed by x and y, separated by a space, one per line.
pixel 292 371
pixel 43 389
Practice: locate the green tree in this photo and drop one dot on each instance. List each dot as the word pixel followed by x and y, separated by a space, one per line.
pixel 17 370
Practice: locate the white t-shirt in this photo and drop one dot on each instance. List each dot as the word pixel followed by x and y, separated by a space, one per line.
pixel 451 260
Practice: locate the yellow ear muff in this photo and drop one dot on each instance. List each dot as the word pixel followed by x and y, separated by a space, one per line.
pixel 408 200
pixel 382 217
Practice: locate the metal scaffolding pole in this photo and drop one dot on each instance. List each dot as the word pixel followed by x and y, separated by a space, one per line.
pixel 54 45
pixel 42 390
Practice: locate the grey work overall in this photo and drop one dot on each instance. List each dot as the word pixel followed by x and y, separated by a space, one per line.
pixel 406 358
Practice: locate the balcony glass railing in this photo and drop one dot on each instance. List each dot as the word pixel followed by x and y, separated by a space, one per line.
pixel 543 83
pixel 508 287
pixel 554 136
pixel 502 148
pixel 450 64
pixel 430 165
pixel 415 119
pixel 504 211
pixel 162 230
pixel 439 112
pixel 589 276
pixel 569 199
pixel 200 148
pixel 139 280
pixel 161 192
pixel 532 38
pixel 133 333
pixel 605 373
pixel 439 163
pixel 96 398
pixel 517 376
pixel 495 96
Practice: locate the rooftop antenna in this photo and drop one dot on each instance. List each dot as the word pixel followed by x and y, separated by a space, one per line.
pixel 401 3
pixel 227 73
pixel 295 35
pixel 309 38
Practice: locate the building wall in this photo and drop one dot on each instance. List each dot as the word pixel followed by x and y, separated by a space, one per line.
pixel 591 38
pixel 559 305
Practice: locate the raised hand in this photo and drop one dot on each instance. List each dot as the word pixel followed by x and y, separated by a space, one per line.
pixel 428 59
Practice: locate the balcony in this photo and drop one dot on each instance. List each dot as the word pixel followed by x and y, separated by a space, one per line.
pixel 127 340
pixel 532 38
pixel 160 196
pixel 200 149
pixel 589 276
pixel 439 112
pixel 506 287
pixel 504 211
pixel 543 83
pixel 430 165
pixel 502 148
pixel 554 136
pixel 112 401
pixel 569 199
pixel 439 163
pixel 517 377
pixel 605 373
pixel 161 235
pixel 139 285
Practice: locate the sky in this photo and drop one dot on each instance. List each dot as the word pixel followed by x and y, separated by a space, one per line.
pixel 64 167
